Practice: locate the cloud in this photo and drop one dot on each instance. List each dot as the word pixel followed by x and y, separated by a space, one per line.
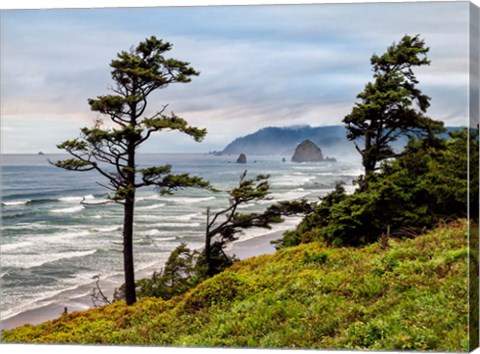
pixel 260 65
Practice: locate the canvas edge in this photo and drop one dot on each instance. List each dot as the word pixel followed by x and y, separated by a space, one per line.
pixel 473 169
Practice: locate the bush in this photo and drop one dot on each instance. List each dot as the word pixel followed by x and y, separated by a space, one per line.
pixel 426 183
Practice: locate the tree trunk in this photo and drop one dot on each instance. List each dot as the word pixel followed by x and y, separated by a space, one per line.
pixel 368 162
pixel 130 296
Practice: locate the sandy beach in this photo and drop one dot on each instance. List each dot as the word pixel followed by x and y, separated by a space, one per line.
pixel 243 249
pixel 254 246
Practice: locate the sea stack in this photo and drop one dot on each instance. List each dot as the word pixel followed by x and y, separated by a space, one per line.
pixel 242 158
pixel 307 151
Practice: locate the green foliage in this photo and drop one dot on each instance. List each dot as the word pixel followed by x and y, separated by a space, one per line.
pixel 391 106
pixel 425 184
pixel 315 257
pixel 412 296
pixel 177 277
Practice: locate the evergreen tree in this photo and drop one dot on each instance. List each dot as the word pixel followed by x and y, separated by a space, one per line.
pixel 392 106
pixel 112 151
pixel 223 225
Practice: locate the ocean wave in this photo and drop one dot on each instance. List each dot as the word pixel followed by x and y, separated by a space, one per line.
pixel 246 206
pixel 98 202
pixel 58 238
pixel 76 199
pixel 151 207
pixel 187 200
pixel 176 224
pixel 68 210
pixel 108 228
pixel 14 246
pixel 167 239
pixel 17 202
pixel 152 232
pixel 26 226
pixel 150 197
pixel 292 195
pixel 37 260
pixel 187 217
pixel 168 218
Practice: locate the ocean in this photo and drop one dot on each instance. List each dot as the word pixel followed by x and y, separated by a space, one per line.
pixel 53 244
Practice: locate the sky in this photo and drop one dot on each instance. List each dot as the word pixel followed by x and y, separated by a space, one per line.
pixel 259 66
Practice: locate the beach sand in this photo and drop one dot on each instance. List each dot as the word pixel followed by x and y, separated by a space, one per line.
pixel 242 249
pixel 255 246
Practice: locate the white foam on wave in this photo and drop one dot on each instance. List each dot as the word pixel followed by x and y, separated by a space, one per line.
pixel 246 206
pixel 17 202
pixel 153 232
pixel 150 197
pixel 292 195
pixel 68 210
pixel 187 217
pixel 167 217
pixel 15 246
pixel 37 260
pixel 76 199
pixel 187 200
pixel 179 225
pixel 151 207
pixel 108 228
pixel 98 201
pixel 26 226
pixel 59 238
pixel 167 239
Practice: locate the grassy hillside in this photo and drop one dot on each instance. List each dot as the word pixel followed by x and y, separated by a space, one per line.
pixel 412 295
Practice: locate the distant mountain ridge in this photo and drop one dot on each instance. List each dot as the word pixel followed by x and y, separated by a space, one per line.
pixel 332 140
pixel 284 140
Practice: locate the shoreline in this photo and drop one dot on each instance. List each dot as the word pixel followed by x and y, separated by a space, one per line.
pixel 254 246
pixel 247 248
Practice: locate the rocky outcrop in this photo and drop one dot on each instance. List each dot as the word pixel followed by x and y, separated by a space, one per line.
pixel 307 151
pixel 242 159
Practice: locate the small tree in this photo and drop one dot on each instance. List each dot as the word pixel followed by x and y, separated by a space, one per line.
pixel 186 268
pixel 112 151
pixel 228 222
pixel 392 106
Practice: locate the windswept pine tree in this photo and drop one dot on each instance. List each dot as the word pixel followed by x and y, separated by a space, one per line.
pixel 222 226
pixel 392 106
pixel 112 151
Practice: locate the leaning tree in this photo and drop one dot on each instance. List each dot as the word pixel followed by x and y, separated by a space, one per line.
pixel 223 225
pixel 112 150
pixel 392 106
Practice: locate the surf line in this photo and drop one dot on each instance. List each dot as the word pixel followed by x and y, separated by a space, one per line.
pixel 83 202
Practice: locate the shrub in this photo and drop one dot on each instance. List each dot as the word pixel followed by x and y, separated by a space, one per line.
pixel 426 183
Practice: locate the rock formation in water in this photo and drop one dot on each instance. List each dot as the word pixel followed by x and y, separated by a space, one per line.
pixel 307 151
pixel 242 158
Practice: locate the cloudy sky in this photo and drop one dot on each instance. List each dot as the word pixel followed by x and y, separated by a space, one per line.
pixel 260 66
